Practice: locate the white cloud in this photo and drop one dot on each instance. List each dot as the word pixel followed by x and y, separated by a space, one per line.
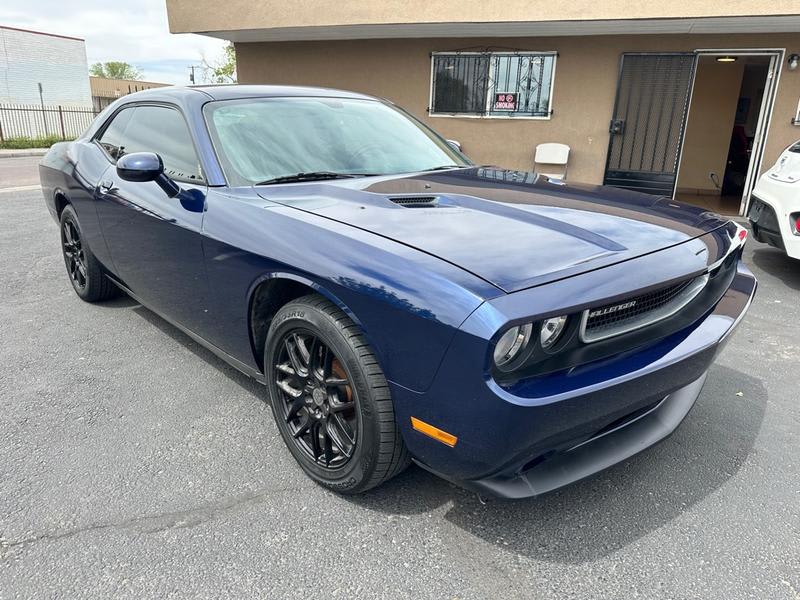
pixel 134 32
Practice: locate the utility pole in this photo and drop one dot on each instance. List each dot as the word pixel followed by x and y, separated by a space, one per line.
pixel 44 116
pixel 191 73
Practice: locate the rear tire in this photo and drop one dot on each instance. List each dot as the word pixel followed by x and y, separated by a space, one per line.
pixel 327 390
pixel 83 269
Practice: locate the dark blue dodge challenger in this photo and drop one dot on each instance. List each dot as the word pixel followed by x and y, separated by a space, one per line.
pixel 509 332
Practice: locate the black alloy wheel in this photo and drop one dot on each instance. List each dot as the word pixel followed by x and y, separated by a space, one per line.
pixel 330 398
pixel 318 404
pixel 74 255
pixel 85 272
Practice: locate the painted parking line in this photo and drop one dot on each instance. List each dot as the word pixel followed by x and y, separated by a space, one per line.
pixel 21 188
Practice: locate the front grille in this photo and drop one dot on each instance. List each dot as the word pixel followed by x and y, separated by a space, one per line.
pixel 639 311
pixel 599 319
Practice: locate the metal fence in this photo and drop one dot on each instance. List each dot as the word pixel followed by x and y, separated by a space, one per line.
pixel 32 121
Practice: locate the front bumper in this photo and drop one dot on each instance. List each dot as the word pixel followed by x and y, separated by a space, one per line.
pixel 546 433
pixel 764 223
pixel 769 215
pixel 604 450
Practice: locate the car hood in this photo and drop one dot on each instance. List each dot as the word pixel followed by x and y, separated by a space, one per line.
pixel 512 229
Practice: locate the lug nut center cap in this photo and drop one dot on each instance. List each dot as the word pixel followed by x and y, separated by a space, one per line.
pixel 319 396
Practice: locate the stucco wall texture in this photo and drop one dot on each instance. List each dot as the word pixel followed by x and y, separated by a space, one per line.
pixel 584 89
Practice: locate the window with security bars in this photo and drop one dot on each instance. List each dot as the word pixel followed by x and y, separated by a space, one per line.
pixel 492 84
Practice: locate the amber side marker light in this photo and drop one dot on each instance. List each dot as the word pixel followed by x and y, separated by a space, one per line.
pixel 442 436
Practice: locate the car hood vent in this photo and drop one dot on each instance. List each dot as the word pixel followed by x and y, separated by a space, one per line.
pixel 415 201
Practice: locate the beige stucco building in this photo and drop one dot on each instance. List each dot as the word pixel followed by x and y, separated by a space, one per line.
pixel 105 90
pixel 692 97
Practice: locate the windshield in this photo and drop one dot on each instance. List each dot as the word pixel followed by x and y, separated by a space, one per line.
pixel 264 139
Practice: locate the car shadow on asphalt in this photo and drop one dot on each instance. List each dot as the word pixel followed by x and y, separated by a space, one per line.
pixel 598 516
pixel 236 376
pixel 777 263
pixel 121 301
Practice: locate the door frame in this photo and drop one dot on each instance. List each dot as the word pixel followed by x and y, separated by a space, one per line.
pixel 764 115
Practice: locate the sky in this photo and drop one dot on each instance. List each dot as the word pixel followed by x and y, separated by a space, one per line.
pixel 121 30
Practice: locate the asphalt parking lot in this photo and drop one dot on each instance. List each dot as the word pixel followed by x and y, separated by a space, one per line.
pixel 133 463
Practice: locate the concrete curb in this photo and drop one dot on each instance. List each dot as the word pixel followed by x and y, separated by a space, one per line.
pixel 26 152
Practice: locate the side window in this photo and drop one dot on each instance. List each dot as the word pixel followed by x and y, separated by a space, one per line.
pixel 162 130
pixel 111 138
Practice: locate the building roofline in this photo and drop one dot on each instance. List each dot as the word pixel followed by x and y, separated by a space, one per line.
pixel 135 81
pixel 669 25
pixel 57 35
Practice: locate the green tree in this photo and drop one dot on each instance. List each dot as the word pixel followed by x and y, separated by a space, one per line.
pixel 115 70
pixel 222 70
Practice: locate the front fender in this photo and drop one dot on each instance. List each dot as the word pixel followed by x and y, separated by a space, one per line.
pixel 408 304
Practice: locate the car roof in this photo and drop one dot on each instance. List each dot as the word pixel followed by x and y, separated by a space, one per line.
pixel 236 91
pixel 191 99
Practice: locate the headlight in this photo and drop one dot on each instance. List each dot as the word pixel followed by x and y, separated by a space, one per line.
pixel 511 344
pixel 551 331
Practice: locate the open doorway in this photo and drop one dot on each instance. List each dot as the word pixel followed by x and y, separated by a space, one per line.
pixel 722 139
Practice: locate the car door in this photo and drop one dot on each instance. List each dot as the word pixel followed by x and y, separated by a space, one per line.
pixel 155 241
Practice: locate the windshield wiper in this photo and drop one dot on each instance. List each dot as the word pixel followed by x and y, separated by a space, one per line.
pixel 444 168
pixel 308 176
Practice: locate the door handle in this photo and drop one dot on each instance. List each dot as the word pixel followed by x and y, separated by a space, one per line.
pixel 106 185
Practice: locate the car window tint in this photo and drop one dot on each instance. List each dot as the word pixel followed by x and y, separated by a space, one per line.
pixel 163 130
pixel 111 138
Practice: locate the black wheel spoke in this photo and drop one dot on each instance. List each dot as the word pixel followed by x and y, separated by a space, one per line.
pixel 302 349
pixel 340 437
pixel 323 364
pixel 336 406
pixel 294 409
pixel 294 354
pixel 286 368
pixel 316 444
pixel 317 399
pixel 327 446
pixel 305 426
pixel 289 390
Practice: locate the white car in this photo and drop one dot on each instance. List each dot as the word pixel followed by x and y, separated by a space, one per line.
pixel 775 204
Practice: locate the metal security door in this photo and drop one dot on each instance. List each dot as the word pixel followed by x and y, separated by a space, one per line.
pixel 649 120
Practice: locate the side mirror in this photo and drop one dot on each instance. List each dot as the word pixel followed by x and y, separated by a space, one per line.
pixel 146 166
pixel 455 144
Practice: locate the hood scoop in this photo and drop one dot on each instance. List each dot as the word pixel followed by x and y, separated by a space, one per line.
pixel 416 201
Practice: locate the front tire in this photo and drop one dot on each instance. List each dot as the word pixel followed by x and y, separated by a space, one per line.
pixel 85 272
pixel 330 398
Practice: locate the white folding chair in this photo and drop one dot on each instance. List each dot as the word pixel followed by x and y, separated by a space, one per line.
pixel 552 155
